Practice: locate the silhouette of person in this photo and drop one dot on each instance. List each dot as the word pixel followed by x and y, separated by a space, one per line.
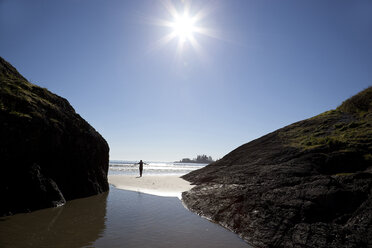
pixel 140 167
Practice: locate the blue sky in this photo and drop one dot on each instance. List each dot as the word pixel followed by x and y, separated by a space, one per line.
pixel 271 63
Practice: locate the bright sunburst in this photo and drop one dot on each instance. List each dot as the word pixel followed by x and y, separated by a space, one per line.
pixel 184 26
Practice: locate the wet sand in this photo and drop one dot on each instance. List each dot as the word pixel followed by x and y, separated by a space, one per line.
pixel 119 219
pixel 165 185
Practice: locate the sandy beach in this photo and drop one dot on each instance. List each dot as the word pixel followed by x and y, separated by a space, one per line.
pixel 165 185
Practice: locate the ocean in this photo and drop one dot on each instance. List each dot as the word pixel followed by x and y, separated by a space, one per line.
pixel 124 167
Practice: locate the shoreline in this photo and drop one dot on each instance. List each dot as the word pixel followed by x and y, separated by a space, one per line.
pixel 160 185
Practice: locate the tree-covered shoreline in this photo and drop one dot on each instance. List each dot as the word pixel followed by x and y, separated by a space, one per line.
pixel 202 159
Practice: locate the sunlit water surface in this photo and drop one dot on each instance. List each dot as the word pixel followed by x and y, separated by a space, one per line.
pixel 116 219
pixel 123 167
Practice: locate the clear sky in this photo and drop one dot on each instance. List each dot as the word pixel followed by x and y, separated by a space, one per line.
pixel 253 66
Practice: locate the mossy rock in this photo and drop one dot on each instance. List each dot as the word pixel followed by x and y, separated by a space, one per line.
pixel 308 184
pixel 48 153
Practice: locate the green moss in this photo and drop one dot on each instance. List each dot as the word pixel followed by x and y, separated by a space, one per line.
pixel 326 114
pixel 2 106
pixel 24 97
pixel 339 125
pixel 368 157
pixel 333 130
pixel 343 174
pixel 54 120
pixel 360 103
pixel 311 142
pixel 22 115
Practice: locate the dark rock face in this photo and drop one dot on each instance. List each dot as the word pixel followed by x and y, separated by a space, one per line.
pixel 305 185
pixel 48 153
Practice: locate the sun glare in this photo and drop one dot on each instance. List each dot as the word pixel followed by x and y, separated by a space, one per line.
pixel 184 26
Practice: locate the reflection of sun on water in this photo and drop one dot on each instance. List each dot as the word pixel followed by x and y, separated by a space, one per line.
pixel 184 26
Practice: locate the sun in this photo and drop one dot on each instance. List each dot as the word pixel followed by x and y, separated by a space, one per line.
pixel 184 25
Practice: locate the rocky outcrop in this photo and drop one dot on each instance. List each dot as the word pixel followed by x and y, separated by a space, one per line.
pixel 306 185
pixel 48 153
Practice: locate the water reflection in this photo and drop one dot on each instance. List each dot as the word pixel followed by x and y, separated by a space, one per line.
pixel 137 220
pixel 76 224
pixel 119 219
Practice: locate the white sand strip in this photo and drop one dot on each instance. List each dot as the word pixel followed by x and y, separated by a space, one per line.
pixel 170 186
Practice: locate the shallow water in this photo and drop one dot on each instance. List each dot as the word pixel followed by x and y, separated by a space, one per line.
pixel 116 219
